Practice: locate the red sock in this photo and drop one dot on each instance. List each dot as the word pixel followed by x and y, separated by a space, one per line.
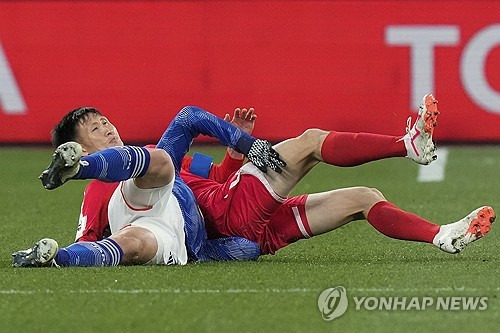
pixel 350 149
pixel 396 223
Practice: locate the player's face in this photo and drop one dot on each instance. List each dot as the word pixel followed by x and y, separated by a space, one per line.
pixel 96 133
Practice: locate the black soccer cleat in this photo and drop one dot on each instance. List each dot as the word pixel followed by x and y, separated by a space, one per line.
pixel 65 164
pixel 42 254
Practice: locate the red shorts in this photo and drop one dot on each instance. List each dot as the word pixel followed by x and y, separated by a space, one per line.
pixel 246 206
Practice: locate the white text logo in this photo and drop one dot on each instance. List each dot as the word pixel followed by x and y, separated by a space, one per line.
pixel 332 303
pixel 11 99
pixel 423 39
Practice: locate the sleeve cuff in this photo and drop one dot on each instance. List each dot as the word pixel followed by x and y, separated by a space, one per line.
pixel 201 165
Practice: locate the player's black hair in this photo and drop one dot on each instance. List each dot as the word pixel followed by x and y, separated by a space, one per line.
pixel 65 130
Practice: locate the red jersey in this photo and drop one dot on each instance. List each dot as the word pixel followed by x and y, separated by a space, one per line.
pixel 93 224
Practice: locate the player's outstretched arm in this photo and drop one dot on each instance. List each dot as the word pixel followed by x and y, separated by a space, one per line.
pixel 201 165
pixel 192 121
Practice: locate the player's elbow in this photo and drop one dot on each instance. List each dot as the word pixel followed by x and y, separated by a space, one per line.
pixel 189 110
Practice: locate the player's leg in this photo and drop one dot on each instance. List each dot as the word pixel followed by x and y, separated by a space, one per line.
pixel 132 246
pixel 392 221
pixel 314 214
pixel 151 167
pixel 330 210
pixel 323 212
pixel 139 245
pixel 348 149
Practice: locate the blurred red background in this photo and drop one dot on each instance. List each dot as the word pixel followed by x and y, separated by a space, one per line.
pixel 327 64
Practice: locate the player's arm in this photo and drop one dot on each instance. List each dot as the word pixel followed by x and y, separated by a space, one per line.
pixel 202 165
pixel 192 121
pixel 244 119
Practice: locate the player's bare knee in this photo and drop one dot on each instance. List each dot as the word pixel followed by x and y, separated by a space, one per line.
pixel 160 170
pixel 372 195
pixel 160 159
pixel 366 197
pixel 138 245
pixel 135 247
pixel 131 247
pixel 378 193
pixel 311 140
pixel 312 135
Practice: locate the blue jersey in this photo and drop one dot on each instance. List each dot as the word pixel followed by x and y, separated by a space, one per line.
pixel 188 124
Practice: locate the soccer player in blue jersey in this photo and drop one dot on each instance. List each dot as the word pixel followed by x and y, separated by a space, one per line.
pixel 152 214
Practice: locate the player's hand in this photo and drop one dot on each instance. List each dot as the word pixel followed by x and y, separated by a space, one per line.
pixel 243 118
pixel 262 155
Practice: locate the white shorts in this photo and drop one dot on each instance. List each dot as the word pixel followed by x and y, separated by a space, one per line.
pixel 156 210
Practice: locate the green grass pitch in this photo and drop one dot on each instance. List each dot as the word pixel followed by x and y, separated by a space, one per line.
pixel 275 294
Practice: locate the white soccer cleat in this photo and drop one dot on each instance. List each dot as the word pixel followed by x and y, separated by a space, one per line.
pixel 64 165
pixel 418 139
pixel 40 255
pixel 454 237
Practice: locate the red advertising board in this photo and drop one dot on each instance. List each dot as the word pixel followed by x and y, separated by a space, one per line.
pixel 344 65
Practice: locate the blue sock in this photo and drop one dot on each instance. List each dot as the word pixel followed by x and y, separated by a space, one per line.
pixel 86 254
pixel 115 164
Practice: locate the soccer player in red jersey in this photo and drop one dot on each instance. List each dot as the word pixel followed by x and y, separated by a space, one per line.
pixel 255 205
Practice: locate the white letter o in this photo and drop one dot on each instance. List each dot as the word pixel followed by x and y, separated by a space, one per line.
pixel 472 68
